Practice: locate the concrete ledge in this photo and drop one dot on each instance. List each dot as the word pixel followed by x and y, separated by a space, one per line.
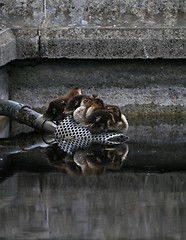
pixel 110 43
pixel 7 46
pixel 97 29
pixel 27 43
pixel 113 42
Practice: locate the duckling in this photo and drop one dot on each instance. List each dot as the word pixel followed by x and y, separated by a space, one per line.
pixel 99 121
pixel 73 104
pixel 98 118
pixel 97 104
pixel 80 112
pixel 55 111
pixel 120 121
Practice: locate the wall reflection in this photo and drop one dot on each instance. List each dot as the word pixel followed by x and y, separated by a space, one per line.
pixel 127 206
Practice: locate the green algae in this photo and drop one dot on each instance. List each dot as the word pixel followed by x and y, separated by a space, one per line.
pixel 152 113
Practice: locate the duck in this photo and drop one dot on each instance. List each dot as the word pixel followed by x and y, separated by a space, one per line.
pixel 97 104
pixel 120 121
pixel 99 121
pixel 79 113
pixel 98 118
pixel 73 104
pixel 55 111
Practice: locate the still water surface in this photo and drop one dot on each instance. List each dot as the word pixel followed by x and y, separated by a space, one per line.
pixel 133 191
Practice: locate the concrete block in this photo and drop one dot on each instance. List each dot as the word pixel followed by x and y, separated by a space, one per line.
pixel 7 46
pixel 21 13
pixel 113 42
pixel 27 43
pixel 97 29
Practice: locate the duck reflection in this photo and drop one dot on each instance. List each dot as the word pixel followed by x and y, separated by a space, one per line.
pixel 25 151
pixel 93 160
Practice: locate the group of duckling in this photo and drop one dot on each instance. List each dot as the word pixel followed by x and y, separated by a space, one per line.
pixel 87 110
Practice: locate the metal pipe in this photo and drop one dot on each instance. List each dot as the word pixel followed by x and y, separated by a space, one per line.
pixel 25 115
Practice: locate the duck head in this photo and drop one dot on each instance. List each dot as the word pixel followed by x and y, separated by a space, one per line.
pixel 120 119
pixel 86 102
pixel 71 93
pixel 73 104
pixel 97 103
pixel 55 111
pixel 114 110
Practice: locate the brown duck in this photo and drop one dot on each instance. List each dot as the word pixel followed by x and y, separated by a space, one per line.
pixel 55 111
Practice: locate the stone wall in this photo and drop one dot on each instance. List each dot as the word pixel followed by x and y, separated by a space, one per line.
pixel 7 46
pixel 94 29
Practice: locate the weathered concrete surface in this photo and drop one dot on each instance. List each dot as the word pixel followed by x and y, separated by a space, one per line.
pixel 97 29
pixel 104 42
pixel 4 83
pixel 139 87
pixel 7 46
pixel 4 94
pixel 134 13
pixel 27 43
pixel 113 42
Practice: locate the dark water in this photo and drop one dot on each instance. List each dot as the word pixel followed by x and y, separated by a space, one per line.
pixel 136 190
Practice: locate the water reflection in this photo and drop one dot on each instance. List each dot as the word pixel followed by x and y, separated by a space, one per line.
pixel 128 206
pixel 100 192
pixel 39 152
pixel 46 154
